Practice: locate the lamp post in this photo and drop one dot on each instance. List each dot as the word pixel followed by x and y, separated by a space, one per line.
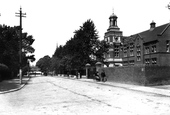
pixel 20 14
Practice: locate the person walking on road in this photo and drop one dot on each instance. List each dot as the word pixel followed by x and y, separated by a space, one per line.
pixel 103 76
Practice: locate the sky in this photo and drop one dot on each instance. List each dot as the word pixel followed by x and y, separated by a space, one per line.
pixel 53 22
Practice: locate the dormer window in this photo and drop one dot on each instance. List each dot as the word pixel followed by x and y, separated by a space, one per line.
pixel 147 50
pixel 153 48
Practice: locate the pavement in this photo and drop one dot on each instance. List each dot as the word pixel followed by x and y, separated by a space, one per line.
pixel 162 90
pixel 8 86
pixel 12 85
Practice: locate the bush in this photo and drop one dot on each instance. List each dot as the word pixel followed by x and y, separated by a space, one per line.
pixel 4 72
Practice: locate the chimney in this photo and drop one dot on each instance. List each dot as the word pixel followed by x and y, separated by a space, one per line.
pixel 152 25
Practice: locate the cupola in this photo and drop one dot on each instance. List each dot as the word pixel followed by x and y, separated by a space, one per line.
pixel 152 25
pixel 113 20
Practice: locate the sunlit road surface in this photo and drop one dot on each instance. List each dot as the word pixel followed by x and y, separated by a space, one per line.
pixel 61 96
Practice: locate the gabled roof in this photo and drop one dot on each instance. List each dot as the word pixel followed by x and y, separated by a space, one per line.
pixel 127 40
pixel 153 34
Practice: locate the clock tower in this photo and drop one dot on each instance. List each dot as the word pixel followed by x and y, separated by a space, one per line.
pixel 113 37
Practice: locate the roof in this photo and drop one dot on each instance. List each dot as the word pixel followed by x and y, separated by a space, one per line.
pixel 128 39
pixel 153 34
pixel 148 35
pixel 113 15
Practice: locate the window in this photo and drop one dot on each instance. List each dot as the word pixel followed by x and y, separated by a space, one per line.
pixel 146 49
pixel 125 51
pixel 131 49
pixel 167 46
pixel 147 61
pixel 116 51
pixel 154 61
pixel 153 48
pixel 131 62
pixel 125 63
pixel 138 58
pixel 138 52
pixel 104 56
pixel 111 39
pixel 109 55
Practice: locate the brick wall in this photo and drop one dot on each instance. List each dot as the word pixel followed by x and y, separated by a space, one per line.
pixel 142 75
pixel 157 73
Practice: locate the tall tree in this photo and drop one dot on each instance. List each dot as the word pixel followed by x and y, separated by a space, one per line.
pixel 9 48
pixel 86 37
pixel 77 51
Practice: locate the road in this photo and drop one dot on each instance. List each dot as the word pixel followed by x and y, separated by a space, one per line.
pixel 61 96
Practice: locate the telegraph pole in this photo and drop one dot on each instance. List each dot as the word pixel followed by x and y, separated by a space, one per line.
pixel 20 14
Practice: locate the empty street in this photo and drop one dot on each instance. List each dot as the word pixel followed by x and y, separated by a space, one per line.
pixel 62 96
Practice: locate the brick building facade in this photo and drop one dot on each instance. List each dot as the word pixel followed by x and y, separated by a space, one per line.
pixel 113 36
pixel 150 47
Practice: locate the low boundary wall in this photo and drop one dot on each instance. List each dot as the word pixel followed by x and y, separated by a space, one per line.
pixel 143 75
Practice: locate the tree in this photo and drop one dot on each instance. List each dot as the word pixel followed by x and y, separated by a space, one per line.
pixel 44 64
pixel 75 54
pixel 4 71
pixel 101 48
pixel 9 48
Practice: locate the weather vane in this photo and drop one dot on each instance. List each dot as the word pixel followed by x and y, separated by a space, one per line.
pixel 168 6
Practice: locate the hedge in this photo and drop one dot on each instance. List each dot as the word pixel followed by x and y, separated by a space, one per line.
pixel 4 72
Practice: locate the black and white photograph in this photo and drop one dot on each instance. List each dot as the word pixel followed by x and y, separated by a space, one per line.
pixel 84 57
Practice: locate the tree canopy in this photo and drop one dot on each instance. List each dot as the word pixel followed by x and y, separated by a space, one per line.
pixel 9 48
pixel 84 47
pixel 79 50
pixel 44 64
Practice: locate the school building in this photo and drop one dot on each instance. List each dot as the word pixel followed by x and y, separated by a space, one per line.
pixel 150 47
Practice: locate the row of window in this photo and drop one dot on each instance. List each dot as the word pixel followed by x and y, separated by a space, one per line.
pixel 147 50
pixel 153 49
pixel 152 61
pixel 138 50
pixel 116 49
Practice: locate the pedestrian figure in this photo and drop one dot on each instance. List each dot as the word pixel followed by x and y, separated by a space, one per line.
pixel 97 77
pixel 77 74
pixel 103 76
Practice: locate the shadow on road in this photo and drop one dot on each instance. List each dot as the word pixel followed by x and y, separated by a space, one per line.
pixel 7 85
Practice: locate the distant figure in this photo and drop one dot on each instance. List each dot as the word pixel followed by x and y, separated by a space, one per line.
pixel 96 75
pixel 103 76
pixel 77 74
pixel 67 74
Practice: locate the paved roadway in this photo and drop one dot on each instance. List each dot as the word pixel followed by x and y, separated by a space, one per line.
pixel 61 96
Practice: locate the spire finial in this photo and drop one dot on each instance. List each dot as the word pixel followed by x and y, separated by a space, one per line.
pixel 113 10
